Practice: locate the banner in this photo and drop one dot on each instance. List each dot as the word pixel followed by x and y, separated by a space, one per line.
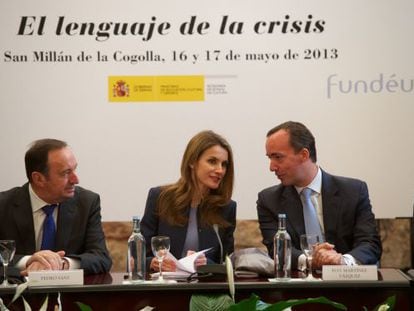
pixel 128 83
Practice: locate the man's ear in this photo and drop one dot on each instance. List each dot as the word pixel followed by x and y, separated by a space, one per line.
pixel 38 178
pixel 305 154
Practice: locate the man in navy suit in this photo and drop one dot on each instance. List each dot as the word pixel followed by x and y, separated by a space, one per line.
pixel 78 241
pixel 342 204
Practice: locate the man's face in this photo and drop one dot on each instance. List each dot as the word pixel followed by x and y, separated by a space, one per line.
pixel 59 183
pixel 284 161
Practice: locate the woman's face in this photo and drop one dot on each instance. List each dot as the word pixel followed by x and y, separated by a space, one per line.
pixel 211 168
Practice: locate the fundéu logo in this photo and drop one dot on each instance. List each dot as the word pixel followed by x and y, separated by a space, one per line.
pixel 382 84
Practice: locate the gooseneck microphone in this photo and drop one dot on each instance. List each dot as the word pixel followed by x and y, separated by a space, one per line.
pixel 216 230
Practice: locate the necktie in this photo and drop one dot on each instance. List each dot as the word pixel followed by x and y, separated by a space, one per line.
pixel 312 225
pixel 49 228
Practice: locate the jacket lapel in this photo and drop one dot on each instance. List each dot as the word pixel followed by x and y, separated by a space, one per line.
pixel 292 206
pixel 23 217
pixel 331 205
pixel 65 224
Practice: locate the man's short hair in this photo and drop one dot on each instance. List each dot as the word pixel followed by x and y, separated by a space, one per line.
pixel 300 137
pixel 36 158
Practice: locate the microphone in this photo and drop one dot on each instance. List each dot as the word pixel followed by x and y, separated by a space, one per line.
pixel 216 230
pixel 213 272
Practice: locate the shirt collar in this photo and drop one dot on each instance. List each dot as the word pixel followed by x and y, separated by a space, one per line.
pixel 315 184
pixel 37 203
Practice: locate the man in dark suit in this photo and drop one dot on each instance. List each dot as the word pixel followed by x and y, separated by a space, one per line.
pixel 77 239
pixel 342 205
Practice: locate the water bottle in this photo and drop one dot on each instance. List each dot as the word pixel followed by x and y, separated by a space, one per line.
pixel 282 250
pixel 136 258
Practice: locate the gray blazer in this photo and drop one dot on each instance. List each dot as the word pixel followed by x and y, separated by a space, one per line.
pixel 79 229
pixel 347 217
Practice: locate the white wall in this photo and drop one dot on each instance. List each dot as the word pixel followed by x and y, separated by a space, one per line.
pixel 123 149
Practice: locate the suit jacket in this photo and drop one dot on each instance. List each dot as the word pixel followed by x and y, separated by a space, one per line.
pixel 152 225
pixel 78 229
pixel 347 217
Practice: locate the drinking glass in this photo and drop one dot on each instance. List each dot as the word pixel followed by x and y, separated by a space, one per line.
pixel 7 250
pixel 307 245
pixel 160 245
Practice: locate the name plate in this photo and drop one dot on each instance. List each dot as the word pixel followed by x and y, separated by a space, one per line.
pixel 350 273
pixel 56 277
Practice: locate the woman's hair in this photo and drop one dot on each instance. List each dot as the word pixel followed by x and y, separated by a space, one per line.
pixel 176 198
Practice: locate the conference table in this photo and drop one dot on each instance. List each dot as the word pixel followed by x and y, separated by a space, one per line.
pixel 109 292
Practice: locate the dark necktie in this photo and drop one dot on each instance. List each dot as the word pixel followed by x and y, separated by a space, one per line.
pixel 49 228
pixel 312 225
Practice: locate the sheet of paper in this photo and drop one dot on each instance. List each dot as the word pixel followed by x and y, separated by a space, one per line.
pixel 185 266
pixel 187 263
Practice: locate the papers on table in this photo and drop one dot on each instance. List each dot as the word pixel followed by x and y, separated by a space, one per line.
pixel 185 266
pixel 171 275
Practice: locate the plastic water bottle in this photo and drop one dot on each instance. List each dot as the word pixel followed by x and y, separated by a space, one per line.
pixel 136 259
pixel 282 250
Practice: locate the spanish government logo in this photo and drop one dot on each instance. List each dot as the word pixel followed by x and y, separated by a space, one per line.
pixel 120 89
pixel 155 89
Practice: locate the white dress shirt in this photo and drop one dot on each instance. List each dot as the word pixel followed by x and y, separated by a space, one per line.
pixel 316 198
pixel 38 220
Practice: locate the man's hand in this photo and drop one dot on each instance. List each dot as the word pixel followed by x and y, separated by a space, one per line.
pixel 44 260
pixel 325 254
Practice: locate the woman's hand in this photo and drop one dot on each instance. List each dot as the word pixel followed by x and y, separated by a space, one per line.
pixel 167 265
pixel 200 260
